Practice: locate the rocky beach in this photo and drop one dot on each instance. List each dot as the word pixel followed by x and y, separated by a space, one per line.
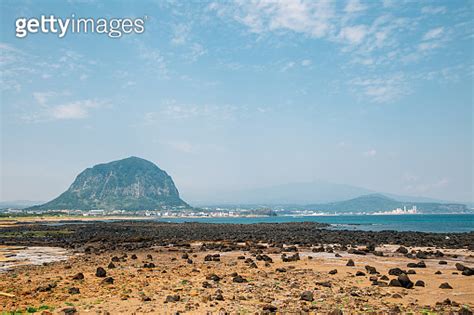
pixel 168 268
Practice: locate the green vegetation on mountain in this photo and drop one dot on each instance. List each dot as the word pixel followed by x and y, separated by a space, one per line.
pixel 129 184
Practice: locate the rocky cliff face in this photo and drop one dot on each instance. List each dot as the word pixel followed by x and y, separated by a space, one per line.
pixel 129 184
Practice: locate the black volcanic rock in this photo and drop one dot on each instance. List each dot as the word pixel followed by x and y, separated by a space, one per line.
pixel 129 184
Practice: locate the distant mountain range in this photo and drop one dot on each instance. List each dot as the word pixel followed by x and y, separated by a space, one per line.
pixel 18 204
pixel 294 194
pixel 380 203
pixel 129 184
pixel 137 184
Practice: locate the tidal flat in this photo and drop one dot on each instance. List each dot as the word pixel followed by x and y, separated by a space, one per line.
pixel 151 267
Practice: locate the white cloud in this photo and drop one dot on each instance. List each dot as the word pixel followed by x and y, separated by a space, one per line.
pixel 155 60
pixel 129 83
pixel 10 59
pixel 289 65
pixel 174 111
pixel 306 63
pixel 408 177
pixel 389 3
pixel 379 44
pixel 354 6
pixel 353 34
pixel 383 89
pixel 428 46
pixel 433 33
pixel 75 110
pixel 433 10
pixel 43 97
pixel 310 17
pixel 180 34
pixel 61 111
pixel 196 51
pixel 370 153
pixel 182 146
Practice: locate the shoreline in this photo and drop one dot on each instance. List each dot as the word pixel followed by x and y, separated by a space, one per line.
pixel 436 223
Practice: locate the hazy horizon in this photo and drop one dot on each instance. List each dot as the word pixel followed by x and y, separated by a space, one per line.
pixel 229 96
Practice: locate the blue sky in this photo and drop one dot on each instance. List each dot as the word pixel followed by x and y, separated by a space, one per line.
pixel 235 95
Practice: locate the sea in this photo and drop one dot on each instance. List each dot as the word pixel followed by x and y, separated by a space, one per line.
pixel 437 223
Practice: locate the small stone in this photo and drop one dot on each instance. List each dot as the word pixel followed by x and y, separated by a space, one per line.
pixel 419 283
pixel 333 272
pixel 74 290
pixel 307 296
pixel 371 270
pixel 460 267
pixel 420 264
pixel 402 250
pixel 405 281
pixel 395 272
pixel 326 284
pixel 350 263
pixel 445 285
pixel 172 298
pixel 239 279
pixel 395 283
pixel 269 308
pixel 213 277
pixel 78 276
pixel 100 272
pixel 68 311
pixel 108 280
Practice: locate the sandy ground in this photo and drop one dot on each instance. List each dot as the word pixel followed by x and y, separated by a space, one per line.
pixel 135 289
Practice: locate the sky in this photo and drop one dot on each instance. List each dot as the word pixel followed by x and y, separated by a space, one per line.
pixel 232 95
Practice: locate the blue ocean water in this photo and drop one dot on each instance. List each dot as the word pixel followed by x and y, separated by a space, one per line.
pixel 441 223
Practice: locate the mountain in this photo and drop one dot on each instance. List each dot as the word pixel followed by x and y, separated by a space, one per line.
pixel 293 193
pixel 129 184
pixel 317 191
pixel 17 204
pixel 378 202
